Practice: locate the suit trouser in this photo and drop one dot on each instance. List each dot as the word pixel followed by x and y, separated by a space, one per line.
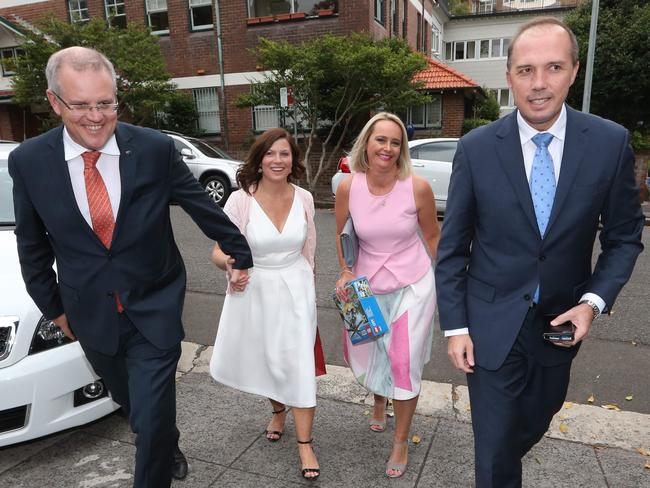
pixel 513 406
pixel 141 379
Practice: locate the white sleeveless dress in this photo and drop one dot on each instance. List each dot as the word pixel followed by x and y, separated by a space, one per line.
pixel 265 341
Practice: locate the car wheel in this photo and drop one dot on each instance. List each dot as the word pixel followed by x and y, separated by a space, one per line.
pixel 217 187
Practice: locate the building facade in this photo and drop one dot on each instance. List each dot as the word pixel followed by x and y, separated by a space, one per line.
pixel 207 51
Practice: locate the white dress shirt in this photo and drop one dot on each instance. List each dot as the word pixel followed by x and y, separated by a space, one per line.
pixel 556 149
pixel 108 166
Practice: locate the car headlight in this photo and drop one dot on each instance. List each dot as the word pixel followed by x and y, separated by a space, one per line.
pixel 47 336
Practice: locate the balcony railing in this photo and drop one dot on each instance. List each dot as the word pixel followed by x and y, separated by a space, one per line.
pixel 457 8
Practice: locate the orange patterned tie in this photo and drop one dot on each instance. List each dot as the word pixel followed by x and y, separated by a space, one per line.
pixel 99 204
pixel 101 213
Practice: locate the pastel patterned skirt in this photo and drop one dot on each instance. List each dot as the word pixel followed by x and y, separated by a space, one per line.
pixel 392 364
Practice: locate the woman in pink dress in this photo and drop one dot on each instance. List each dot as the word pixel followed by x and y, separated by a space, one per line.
pixel 388 205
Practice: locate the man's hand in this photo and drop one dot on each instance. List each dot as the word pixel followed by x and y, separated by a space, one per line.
pixel 460 349
pixel 62 322
pixel 582 317
pixel 237 278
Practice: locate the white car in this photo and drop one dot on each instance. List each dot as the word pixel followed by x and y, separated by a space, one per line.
pixel 431 159
pixel 46 383
pixel 214 169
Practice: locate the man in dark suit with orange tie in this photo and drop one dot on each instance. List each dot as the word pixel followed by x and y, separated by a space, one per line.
pixel 93 194
pixel 527 195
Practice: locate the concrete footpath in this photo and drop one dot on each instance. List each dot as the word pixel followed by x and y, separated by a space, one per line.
pixel 222 436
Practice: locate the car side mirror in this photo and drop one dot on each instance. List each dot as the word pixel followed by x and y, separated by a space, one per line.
pixel 187 153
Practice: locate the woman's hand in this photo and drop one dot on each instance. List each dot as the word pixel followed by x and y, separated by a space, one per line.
pixel 345 277
pixel 237 278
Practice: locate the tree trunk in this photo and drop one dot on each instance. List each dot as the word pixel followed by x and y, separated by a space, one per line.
pixel 641 173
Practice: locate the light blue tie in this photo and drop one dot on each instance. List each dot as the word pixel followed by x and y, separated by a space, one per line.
pixel 542 185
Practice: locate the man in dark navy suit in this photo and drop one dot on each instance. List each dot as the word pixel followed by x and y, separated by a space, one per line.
pixel 526 198
pixel 93 194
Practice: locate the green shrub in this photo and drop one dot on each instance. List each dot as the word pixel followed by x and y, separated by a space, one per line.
pixel 469 124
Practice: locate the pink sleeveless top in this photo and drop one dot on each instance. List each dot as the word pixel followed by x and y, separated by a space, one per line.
pixel 391 253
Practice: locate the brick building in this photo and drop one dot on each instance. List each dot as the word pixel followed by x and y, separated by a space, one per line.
pixel 188 35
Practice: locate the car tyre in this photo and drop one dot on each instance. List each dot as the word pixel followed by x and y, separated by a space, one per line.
pixel 217 188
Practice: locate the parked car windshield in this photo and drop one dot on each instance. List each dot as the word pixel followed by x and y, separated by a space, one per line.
pixel 435 151
pixel 7 216
pixel 208 150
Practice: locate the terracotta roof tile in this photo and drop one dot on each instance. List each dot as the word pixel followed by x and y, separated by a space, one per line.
pixel 439 76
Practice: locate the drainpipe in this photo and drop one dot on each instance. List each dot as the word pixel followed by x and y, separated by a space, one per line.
pixel 224 105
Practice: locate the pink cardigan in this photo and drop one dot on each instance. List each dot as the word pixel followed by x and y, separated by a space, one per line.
pixel 238 207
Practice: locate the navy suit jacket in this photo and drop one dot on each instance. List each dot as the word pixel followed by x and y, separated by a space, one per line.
pixel 491 255
pixel 143 262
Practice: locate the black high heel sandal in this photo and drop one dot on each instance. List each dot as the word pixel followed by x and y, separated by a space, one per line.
pixel 275 432
pixel 309 470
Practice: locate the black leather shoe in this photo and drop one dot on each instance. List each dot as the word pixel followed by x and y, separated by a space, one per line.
pixel 179 465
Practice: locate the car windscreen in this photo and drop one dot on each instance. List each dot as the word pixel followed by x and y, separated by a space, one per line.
pixel 210 151
pixel 7 216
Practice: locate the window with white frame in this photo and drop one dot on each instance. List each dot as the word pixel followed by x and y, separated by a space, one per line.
pixel 157 16
pixel 78 11
pixel 503 96
pixel 8 57
pixel 115 12
pixel 207 106
pixel 261 8
pixel 265 117
pixel 427 116
pixel 478 49
pixel 379 12
pixel 484 6
pixel 435 41
pixel 200 14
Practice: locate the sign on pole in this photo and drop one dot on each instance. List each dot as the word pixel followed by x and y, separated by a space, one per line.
pixel 286 97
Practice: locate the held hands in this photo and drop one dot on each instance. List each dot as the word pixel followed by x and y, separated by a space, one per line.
pixel 62 323
pixel 237 278
pixel 460 350
pixel 582 317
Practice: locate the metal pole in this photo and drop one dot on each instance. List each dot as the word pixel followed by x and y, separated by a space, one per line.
pixel 224 105
pixel 586 95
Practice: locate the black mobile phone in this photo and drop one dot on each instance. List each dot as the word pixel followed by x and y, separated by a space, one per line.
pixel 559 333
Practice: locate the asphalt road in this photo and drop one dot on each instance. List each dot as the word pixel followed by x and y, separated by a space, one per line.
pixel 614 362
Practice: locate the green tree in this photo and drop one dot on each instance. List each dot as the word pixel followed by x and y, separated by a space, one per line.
pixel 145 93
pixel 336 80
pixel 621 85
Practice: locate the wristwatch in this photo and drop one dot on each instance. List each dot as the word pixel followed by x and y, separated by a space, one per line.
pixel 594 308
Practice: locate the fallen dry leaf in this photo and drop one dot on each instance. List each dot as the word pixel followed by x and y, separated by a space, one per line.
pixel 591 398
pixel 629 398
pixel 568 404
pixel 634 343
pixel 562 417
pixel 643 452
pixel 611 406
pixel 366 412
pixel 646 465
pixel 416 439
pixel 469 408
pixel 564 428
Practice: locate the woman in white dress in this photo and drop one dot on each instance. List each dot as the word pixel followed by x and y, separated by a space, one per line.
pixel 267 333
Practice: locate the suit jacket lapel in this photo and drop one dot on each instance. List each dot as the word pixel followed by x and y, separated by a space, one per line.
pixel 508 146
pixel 128 164
pixel 575 140
pixel 65 183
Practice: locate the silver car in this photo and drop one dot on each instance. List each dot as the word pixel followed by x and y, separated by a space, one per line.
pixel 214 169
pixel 431 160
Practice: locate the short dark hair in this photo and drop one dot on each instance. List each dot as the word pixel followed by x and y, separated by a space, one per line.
pixel 540 21
pixel 249 174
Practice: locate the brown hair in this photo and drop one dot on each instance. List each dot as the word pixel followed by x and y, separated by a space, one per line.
pixel 250 172
pixel 541 21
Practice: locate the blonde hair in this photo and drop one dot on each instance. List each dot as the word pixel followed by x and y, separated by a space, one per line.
pixel 358 157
